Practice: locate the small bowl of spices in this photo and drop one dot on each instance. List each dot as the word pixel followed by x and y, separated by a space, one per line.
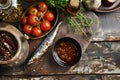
pixel 66 51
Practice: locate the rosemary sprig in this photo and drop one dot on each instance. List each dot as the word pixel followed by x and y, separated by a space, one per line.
pixel 77 27
pixel 80 23
pixel 57 3
pixel 85 22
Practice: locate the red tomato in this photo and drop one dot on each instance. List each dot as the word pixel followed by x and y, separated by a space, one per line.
pixel 27 29
pixel 42 6
pixel 39 14
pixel 45 25
pixel 49 16
pixel 36 32
pixel 24 20
pixel 33 20
pixel 33 11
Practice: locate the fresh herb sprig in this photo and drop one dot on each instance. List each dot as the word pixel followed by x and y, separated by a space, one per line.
pixel 57 3
pixel 80 23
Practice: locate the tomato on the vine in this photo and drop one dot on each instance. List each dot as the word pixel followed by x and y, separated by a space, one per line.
pixel 49 16
pixel 33 20
pixel 27 29
pixel 39 14
pixel 37 20
pixel 45 25
pixel 42 6
pixel 36 32
pixel 24 20
pixel 33 11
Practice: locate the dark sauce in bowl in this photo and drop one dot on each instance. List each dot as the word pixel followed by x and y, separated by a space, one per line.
pixel 66 51
pixel 8 46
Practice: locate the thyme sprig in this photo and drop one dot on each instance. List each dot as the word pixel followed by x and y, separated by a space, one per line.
pixel 57 3
pixel 79 23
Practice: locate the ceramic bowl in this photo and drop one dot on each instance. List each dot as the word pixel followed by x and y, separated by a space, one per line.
pixel 114 7
pixel 59 60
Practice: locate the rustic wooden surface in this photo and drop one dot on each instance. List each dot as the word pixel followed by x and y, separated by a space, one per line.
pixel 101 56
pixel 64 77
pixel 47 65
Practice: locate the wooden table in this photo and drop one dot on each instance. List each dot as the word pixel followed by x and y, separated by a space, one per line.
pixel 101 57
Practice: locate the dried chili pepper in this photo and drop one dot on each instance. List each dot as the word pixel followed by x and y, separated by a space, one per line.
pixel 5 43
pixel 10 42
pixel 3 52
pixel 8 47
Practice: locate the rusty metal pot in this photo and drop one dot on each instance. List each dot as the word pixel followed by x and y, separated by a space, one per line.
pixel 23 47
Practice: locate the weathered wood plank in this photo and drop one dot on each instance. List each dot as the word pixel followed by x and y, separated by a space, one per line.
pixel 100 58
pixel 109 27
pixel 64 77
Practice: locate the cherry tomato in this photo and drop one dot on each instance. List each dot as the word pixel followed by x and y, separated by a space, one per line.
pixel 49 16
pixel 33 20
pixel 33 11
pixel 24 20
pixel 27 29
pixel 39 14
pixel 36 32
pixel 45 25
pixel 42 6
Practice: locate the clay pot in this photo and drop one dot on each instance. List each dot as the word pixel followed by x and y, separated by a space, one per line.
pixel 23 47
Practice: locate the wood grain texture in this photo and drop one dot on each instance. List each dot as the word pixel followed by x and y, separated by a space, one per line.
pixel 95 60
pixel 47 65
pixel 109 27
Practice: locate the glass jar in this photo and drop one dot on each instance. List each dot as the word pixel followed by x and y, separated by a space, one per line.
pixel 73 7
pixel 10 10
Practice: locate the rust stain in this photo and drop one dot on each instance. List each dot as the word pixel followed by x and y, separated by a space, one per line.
pixel 35 59
pixel 47 44
pixel 117 18
pixel 112 38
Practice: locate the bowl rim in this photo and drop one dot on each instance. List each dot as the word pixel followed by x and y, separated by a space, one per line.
pixel 108 10
pixel 61 62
